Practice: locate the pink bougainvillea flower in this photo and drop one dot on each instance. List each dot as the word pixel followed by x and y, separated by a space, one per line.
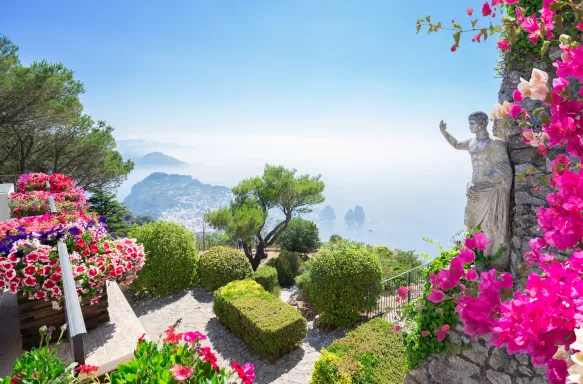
pixel 504 45
pixel 467 255
pixel 536 88
pixel 181 373
pixel 472 275
pixel 402 291
pixel 453 48
pixel 424 333
pixel 436 296
pixel 396 328
pixel 517 96
pixel 486 10
pixel 481 241
pixel 557 371
pixel 442 332
pixel 470 11
pixel 477 37
pixel 515 111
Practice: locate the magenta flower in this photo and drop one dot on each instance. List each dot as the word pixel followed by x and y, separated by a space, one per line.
pixel 436 296
pixel 467 255
pixel 486 10
pixel 424 333
pixel 396 328
pixel 181 373
pixel 246 373
pixel 402 292
pixel 442 332
pixel 481 241
pixel 193 337
pixel 504 45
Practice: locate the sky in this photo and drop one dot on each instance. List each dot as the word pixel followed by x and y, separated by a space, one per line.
pixel 345 89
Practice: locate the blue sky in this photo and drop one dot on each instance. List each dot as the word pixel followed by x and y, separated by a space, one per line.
pixel 341 88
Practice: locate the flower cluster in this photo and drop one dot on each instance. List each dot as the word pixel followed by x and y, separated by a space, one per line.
pixel 37 182
pixel 34 203
pixel 184 358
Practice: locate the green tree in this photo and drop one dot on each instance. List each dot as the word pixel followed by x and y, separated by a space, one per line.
pixel 105 204
pixel 43 128
pixel 301 236
pixel 278 189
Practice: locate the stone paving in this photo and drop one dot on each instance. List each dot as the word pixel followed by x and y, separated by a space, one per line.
pixel 195 309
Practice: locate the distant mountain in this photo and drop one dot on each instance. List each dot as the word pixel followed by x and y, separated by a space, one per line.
pixel 358 214
pixel 135 148
pixel 176 198
pixel 349 215
pixel 159 159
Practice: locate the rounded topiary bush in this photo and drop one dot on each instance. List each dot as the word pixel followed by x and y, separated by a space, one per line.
pixel 267 277
pixel 170 258
pixel 221 265
pixel 340 274
pixel 300 236
pixel 288 265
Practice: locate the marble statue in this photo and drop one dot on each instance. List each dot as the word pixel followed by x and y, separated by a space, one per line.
pixel 488 192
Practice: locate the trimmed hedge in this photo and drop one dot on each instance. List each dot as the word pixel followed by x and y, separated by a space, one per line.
pixel 268 325
pixel 288 265
pixel 340 274
pixel 371 354
pixel 267 277
pixel 221 265
pixel 170 258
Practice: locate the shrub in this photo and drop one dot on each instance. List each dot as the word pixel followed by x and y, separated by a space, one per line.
pixel 221 265
pixel 340 273
pixel 395 262
pixel 267 277
pixel 170 258
pixel 268 325
pixel 288 265
pixel 303 283
pixel 371 354
pixel 300 236
pixel 335 239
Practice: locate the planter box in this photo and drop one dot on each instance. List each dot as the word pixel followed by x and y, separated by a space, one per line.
pixel 34 314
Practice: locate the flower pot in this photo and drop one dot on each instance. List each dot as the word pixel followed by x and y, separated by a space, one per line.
pixel 34 314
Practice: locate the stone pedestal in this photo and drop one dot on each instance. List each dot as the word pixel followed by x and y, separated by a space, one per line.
pixel 5 191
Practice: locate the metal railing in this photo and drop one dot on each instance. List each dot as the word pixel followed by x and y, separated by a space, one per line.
pixel 9 179
pixel 382 298
pixel 75 322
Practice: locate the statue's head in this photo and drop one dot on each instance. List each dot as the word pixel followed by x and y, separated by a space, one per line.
pixel 478 122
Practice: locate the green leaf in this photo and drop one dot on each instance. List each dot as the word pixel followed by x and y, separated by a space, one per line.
pixel 474 22
pixel 456 25
pixel 418 27
pixel 485 33
pixel 428 18
pixel 456 37
pixel 545 118
pixel 545 48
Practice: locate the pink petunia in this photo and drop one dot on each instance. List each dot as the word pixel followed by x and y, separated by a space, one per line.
pixel 181 373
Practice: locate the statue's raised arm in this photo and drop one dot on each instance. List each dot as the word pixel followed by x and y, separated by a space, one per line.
pixel 461 145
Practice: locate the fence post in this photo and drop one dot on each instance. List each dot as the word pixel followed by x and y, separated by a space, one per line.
pixel 409 286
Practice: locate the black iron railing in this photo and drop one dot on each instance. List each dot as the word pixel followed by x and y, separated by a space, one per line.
pixel 383 300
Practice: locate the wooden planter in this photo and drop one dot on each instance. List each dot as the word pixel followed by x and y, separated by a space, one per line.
pixel 36 313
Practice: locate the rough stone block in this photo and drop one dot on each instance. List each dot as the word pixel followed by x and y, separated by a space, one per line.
pixel 478 354
pixel 496 377
pixel 452 370
pixel 498 358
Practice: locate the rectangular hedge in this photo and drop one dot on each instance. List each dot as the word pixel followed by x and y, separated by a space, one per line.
pixel 373 353
pixel 268 325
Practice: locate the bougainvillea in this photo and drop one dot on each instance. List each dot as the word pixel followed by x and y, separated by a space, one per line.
pixel 544 319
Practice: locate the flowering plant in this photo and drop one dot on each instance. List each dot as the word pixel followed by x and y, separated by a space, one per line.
pixel 41 365
pixel 37 182
pixel 179 357
pixel 30 263
pixel 37 202
pixel 544 319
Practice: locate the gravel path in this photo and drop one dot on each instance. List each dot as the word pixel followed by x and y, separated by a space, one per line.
pixel 195 309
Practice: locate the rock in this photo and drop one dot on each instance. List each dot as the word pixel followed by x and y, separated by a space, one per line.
pixel 358 214
pixel 498 358
pixel 496 377
pixel 349 215
pixel 327 213
pixel 418 375
pixel 452 370
pixel 478 354
pixel 525 371
pixel 158 159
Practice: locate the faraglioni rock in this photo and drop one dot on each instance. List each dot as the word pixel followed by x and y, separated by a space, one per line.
pixel 349 215
pixel 358 214
pixel 488 193
pixel 327 214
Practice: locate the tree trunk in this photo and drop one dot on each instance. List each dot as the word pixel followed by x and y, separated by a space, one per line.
pixel 259 255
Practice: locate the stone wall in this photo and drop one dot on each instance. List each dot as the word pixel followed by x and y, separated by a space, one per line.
pixel 476 363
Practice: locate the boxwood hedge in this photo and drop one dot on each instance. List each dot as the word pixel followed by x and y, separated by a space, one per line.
pixel 221 265
pixel 267 277
pixel 268 325
pixel 373 353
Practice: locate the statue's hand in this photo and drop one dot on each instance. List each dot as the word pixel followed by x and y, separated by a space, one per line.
pixel 442 126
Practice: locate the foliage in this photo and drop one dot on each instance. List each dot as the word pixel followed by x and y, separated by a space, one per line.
pixel 303 282
pixel 179 358
pixel 288 265
pixel 105 204
pixel 43 128
pixel 279 189
pixel 395 262
pixel 171 258
pixel 214 239
pixel 373 354
pixel 221 265
pixel 41 365
pixel 340 274
pixel 429 317
pixel 301 236
pixel 267 277
pixel 268 325
pixel 335 239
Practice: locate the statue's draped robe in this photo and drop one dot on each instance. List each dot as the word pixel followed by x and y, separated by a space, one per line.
pixel 488 206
